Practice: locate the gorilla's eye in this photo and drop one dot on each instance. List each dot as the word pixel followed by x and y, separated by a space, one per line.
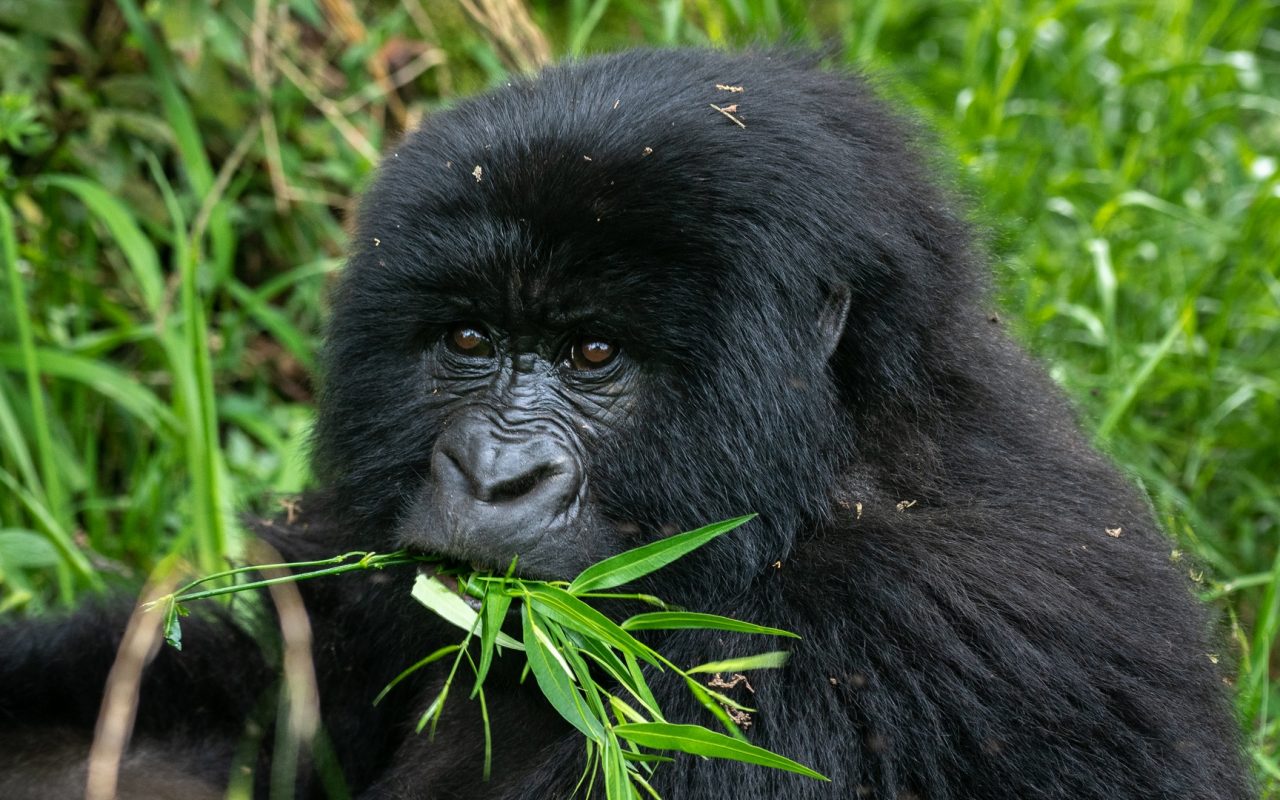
pixel 469 340
pixel 592 352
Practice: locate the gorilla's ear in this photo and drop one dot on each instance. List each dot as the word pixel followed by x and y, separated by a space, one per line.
pixel 832 318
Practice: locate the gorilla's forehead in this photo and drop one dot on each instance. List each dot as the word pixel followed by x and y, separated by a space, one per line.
pixel 510 274
pixel 587 174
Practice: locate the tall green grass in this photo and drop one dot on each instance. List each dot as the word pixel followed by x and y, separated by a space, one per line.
pixel 175 178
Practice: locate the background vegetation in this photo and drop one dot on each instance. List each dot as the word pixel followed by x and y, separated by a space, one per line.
pixel 175 178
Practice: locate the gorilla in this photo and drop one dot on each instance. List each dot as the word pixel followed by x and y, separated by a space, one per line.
pixel 633 295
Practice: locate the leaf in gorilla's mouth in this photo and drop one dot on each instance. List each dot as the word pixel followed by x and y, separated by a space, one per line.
pixel 448 573
pixel 586 665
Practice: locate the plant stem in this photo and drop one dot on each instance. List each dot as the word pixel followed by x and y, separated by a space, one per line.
pixel 368 560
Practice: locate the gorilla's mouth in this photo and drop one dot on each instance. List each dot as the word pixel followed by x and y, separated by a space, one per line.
pixel 453 574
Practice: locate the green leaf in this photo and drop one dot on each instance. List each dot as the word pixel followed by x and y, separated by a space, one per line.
pixel 133 243
pixel 703 695
pixel 57 534
pixel 641 687
pixel 640 561
pixel 484 720
pixel 724 700
pixel 639 780
pixel 680 620
pixel 171 627
pixel 276 323
pixel 577 615
pixel 617 786
pixel 629 679
pixel 439 598
pixel 646 758
pixel 587 686
pixel 23 549
pixel 186 133
pixel 417 665
pixel 437 705
pixel 699 741
pixel 116 385
pixel 553 676
pixel 623 712
pixel 770 660
pixel 493 611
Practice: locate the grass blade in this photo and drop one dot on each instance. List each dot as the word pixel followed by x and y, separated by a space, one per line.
pixel 54 494
pixel 108 381
pixel 186 134
pixel 138 251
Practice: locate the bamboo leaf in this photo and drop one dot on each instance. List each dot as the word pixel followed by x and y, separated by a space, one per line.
pixel 631 680
pixel 703 695
pixel 699 741
pixel 640 685
pixel 646 758
pixel 433 710
pixel 493 612
pixel 680 620
pixel 552 675
pixel 617 786
pixel 587 687
pixel 636 563
pixel 770 660
pixel 577 615
pixel 436 596
pixel 417 665
pixel 624 712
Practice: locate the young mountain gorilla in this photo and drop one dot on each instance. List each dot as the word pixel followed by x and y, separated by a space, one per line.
pixel 650 291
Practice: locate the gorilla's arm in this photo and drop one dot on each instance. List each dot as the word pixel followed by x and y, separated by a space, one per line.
pixel 192 709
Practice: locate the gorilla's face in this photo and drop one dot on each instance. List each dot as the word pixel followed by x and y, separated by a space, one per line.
pixel 570 325
pixel 522 403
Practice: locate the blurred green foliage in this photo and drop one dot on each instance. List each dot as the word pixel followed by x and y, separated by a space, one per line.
pixel 175 178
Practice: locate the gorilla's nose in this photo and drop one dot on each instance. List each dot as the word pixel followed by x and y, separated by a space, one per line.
pixel 507 474
pixel 501 484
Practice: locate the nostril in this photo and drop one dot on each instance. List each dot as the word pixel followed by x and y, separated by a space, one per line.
pixel 451 471
pixel 457 465
pixel 476 468
pixel 502 490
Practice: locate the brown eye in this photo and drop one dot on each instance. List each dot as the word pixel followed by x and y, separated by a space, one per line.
pixel 590 352
pixel 469 340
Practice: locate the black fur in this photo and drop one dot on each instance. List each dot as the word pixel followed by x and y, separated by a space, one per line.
pixel 933 523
